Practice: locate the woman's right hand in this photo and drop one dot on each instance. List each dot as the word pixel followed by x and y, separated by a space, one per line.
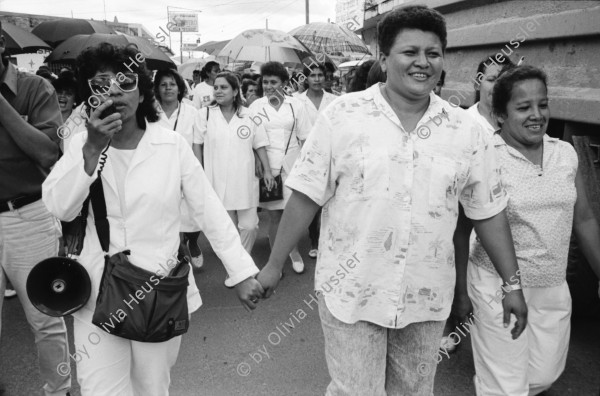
pixel 462 306
pixel 101 130
pixel 269 180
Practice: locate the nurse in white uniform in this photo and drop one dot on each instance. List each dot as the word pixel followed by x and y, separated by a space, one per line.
pixel 181 117
pixel 285 120
pixel 229 136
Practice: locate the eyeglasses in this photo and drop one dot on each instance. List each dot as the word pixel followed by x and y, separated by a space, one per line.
pixel 127 82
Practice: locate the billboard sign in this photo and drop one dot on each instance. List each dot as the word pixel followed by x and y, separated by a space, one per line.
pixel 182 22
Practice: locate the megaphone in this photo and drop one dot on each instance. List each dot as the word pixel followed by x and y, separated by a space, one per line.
pixel 58 286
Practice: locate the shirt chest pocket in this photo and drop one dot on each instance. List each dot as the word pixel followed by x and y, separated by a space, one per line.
pixel 443 182
pixel 368 174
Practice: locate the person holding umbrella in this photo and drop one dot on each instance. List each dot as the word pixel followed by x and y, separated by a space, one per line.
pixel 144 171
pixel 178 116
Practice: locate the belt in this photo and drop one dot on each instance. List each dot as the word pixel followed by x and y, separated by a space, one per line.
pixel 19 202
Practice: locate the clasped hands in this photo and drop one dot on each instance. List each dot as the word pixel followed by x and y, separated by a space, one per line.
pixel 253 289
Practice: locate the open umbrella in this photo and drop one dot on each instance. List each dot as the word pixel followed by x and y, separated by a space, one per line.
pixel 212 47
pixel 70 49
pixel 57 31
pixel 20 41
pixel 329 38
pixel 262 45
pixel 187 68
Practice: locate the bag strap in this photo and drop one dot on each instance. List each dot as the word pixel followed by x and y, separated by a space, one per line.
pixel 177 119
pixel 207 113
pixel 291 133
pixel 99 208
pixel 96 197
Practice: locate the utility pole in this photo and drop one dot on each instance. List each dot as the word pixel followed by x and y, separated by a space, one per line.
pixel 307 12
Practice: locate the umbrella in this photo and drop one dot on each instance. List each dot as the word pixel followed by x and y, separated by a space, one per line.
pixel 212 47
pixel 329 38
pixel 20 41
pixel 70 49
pixel 57 31
pixel 262 45
pixel 187 68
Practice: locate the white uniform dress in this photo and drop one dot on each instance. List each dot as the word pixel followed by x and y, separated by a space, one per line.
pixel 481 120
pixel 203 94
pixel 228 156
pixel 279 125
pixel 184 121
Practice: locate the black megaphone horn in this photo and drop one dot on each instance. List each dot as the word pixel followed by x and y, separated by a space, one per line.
pixel 58 286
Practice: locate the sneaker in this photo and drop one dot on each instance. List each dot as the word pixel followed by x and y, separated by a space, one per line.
pixel 313 253
pixel 9 293
pixel 198 262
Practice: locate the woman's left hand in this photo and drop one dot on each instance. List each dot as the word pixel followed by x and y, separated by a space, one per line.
pixel 269 179
pixel 249 292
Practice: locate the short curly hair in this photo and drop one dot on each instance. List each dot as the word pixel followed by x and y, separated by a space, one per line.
pixel 275 69
pixel 410 17
pixel 178 80
pixel 506 83
pixel 108 57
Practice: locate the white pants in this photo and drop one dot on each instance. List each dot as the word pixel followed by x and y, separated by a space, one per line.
pixel 246 221
pixel 113 366
pixel 531 363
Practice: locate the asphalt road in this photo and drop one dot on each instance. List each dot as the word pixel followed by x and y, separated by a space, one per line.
pixel 229 351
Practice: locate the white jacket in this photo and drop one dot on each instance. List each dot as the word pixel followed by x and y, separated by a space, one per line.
pixel 162 168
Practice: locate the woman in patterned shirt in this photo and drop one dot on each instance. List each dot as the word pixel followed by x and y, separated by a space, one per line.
pixel 547 201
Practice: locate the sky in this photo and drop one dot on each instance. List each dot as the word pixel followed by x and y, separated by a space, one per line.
pixel 217 19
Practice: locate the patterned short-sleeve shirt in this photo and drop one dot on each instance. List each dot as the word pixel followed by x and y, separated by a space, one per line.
pixel 391 203
pixel 540 211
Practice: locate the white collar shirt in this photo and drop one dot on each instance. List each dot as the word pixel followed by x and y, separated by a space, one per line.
pixel 186 118
pixel 148 223
pixel 391 203
pixel 311 109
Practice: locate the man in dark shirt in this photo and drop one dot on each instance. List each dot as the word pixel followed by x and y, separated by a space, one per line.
pixel 29 118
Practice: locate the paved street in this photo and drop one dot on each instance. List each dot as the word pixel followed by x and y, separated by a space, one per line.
pixel 216 354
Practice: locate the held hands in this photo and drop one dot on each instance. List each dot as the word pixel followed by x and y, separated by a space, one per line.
pixel 514 302
pixel 101 130
pixel 249 292
pixel 269 278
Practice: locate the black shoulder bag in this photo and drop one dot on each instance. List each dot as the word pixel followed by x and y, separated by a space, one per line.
pixel 276 193
pixel 134 303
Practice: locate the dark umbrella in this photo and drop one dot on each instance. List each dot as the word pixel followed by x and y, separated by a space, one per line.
pixel 57 31
pixel 70 49
pixel 20 41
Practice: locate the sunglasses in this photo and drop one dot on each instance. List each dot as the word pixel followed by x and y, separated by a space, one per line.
pixel 127 82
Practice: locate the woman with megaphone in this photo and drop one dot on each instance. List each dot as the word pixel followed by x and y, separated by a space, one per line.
pixel 134 173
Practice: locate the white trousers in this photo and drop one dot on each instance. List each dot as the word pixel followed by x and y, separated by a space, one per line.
pixel 246 221
pixel 531 363
pixel 112 366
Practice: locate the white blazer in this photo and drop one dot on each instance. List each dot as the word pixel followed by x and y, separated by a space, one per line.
pixel 162 168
